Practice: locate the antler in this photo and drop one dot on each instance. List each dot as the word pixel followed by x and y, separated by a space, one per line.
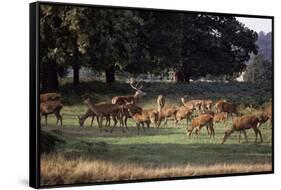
pixel 136 86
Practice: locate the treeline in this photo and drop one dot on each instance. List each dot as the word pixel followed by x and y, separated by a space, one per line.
pixel 139 42
pixel 259 68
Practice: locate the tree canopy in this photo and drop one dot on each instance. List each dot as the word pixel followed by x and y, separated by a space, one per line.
pixel 140 41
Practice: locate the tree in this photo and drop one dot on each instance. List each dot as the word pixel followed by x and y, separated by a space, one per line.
pixel 259 70
pixel 265 44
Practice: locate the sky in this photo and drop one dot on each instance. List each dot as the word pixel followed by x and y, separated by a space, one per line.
pixel 256 24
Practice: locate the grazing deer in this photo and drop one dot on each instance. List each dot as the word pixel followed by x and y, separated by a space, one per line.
pixel 183 113
pixel 51 107
pixel 266 115
pixel 90 113
pixel 199 122
pixel 104 110
pixel 122 100
pixel 52 96
pixel 241 124
pixel 144 116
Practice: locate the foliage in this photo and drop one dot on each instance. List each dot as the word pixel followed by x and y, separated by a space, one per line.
pixel 140 42
pixel 259 70
pixel 264 43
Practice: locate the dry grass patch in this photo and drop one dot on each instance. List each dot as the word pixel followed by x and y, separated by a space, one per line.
pixel 58 169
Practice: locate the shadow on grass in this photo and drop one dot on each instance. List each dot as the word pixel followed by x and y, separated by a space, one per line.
pixel 117 131
pixel 154 155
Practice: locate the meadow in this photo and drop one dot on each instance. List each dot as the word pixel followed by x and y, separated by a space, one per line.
pixel 84 154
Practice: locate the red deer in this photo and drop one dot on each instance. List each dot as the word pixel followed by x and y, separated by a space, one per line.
pixel 122 100
pixel 51 107
pixel 241 124
pixel 206 105
pixel 266 115
pixel 183 113
pixel 220 117
pixel 90 113
pixel 105 110
pixel 192 104
pixel 145 116
pixel 199 122
pixel 217 103
pixel 167 112
pixel 125 113
pixel 229 108
pixel 52 96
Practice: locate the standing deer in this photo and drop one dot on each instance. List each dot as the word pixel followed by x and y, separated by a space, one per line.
pixel 229 108
pixel 134 99
pixel 104 110
pixel 183 113
pixel 144 116
pixel 266 115
pixel 161 103
pixel 51 107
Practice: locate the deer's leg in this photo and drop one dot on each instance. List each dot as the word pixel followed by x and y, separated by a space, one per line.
pixel 60 119
pixel 166 121
pixel 190 132
pixel 115 122
pixel 245 134
pixel 142 124
pixel 46 117
pixel 99 120
pixel 259 133
pixel 212 130
pixel 93 117
pixel 125 121
pixel 239 138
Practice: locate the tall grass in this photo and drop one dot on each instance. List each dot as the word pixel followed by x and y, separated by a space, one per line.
pixel 59 169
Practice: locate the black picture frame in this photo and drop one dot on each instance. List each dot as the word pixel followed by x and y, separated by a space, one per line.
pixel 34 94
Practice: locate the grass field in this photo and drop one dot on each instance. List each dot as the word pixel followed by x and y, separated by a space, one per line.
pixel 87 155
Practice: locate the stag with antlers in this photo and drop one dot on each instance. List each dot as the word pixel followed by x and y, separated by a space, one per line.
pixel 134 99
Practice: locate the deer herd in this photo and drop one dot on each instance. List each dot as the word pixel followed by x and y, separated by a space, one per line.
pixel 197 113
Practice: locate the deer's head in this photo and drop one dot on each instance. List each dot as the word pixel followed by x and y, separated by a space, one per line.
pixel 138 88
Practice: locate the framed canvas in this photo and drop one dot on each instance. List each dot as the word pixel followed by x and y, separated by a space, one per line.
pixel 122 94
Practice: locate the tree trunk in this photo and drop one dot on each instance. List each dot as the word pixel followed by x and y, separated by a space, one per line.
pixel 52 76
pixel 76 69
pixel 110 75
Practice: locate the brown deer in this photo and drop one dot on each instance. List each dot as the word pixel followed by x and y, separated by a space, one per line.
pixel 217 103
pixel 104 110
pixel 125 113
pixel 51 107
pixel 90 113
pixel 145 116
pixel 199 122
pixel 229 108
pixel 192 104
pixel 206 105
pixel 122 100
pixel 241 124
pixel 266 115
pixel 183 113
pixel 52 96
pixel 167 112
pixel 220 117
